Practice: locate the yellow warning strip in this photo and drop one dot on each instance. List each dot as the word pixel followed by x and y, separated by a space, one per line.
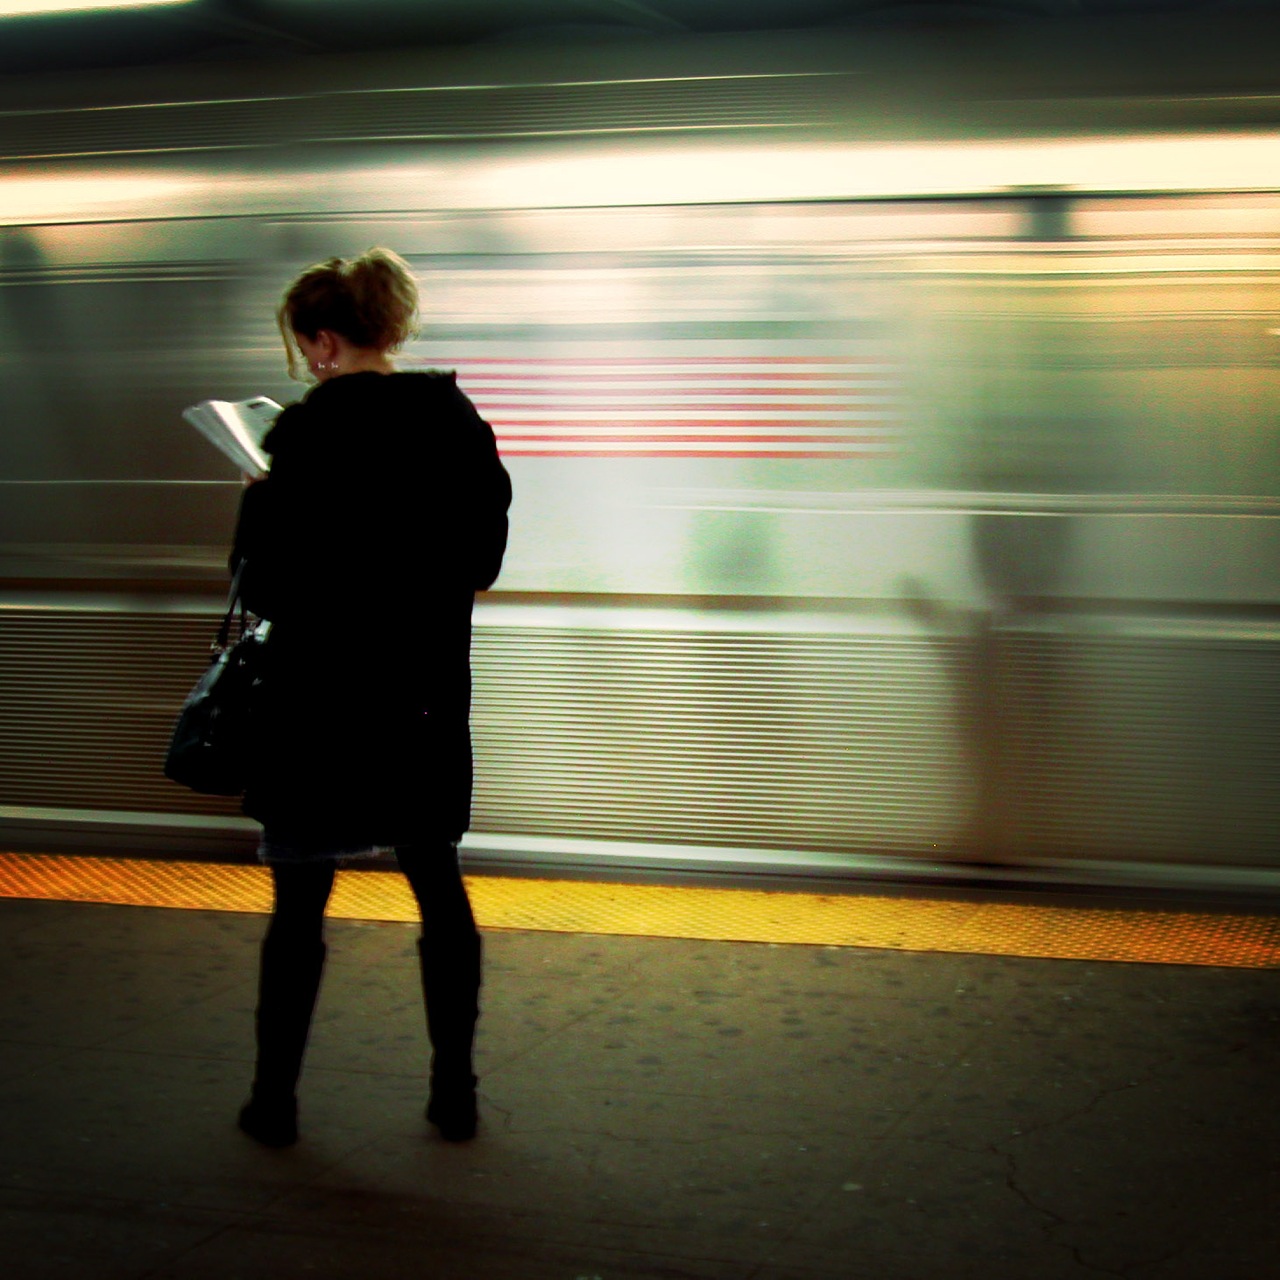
pixel 726 915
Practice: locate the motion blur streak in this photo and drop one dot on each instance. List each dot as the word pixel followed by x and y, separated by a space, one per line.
pixel 1135 164
pixel 891 499
pixel 22 8
pixel 703 175
pixel 57 197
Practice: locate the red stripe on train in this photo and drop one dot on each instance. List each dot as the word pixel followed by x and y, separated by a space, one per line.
pixel 562 392
pixel 692 424
pixel 689 439
pixel 683 407
pixel 650 362
pixel 691 453
pixel 580 379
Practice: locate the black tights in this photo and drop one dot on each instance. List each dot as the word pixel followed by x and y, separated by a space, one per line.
pixel 302 892
pixel 293 955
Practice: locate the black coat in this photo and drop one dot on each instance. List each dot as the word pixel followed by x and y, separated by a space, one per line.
pixel 384 512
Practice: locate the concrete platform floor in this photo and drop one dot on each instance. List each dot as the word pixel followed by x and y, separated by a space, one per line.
pixel 652 1108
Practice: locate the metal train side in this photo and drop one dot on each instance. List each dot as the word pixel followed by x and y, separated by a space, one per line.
pixel 849 535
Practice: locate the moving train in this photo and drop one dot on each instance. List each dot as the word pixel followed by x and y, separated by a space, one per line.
pixel 896 448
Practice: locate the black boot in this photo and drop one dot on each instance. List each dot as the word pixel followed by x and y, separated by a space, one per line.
pixel 287 990
pixel 451 992
pixel 274 1123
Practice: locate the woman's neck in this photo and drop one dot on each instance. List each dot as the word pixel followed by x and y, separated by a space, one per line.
pixel 364 362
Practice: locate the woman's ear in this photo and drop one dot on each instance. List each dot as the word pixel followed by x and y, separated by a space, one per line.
pixel 327 344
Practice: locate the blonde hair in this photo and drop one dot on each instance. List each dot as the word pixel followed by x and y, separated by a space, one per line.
pixel 372 301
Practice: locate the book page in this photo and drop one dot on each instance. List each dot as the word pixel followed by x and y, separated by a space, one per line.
pixel 237 428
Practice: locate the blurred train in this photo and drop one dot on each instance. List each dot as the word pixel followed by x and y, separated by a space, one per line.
pixel 897 490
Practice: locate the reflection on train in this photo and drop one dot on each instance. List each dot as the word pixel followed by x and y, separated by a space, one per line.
pixel 866 517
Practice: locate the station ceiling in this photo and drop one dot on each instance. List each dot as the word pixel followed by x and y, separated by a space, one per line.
pixel 202 31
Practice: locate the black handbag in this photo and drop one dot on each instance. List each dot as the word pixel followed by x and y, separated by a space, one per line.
pixel 213 739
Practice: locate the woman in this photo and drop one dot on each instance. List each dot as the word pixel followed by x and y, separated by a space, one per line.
pixel 383 513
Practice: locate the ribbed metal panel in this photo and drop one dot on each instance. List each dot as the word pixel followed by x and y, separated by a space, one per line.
pixel 754 739
pixel 407 114
pixel 762 740
pixel 1149 748
pixel 1141 748
pixel 87 703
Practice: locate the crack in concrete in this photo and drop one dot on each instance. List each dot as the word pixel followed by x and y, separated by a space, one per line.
pixel 1056 1221
pixel 1098 1098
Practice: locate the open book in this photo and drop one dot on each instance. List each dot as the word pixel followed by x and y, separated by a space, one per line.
pixel 238 428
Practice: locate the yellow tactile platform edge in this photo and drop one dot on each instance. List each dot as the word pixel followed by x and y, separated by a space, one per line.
pixel 724 915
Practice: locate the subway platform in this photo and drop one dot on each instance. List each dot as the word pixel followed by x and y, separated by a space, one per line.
pixel 702 1083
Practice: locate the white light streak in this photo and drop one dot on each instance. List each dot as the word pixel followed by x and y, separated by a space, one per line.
pixel 516 179
pixel 87 194
pixel 29 8
pixel 691 174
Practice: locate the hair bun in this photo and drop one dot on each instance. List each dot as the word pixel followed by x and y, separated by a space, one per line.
pixel 372 301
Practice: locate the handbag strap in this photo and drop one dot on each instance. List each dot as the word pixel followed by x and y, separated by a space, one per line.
pixel 233 598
